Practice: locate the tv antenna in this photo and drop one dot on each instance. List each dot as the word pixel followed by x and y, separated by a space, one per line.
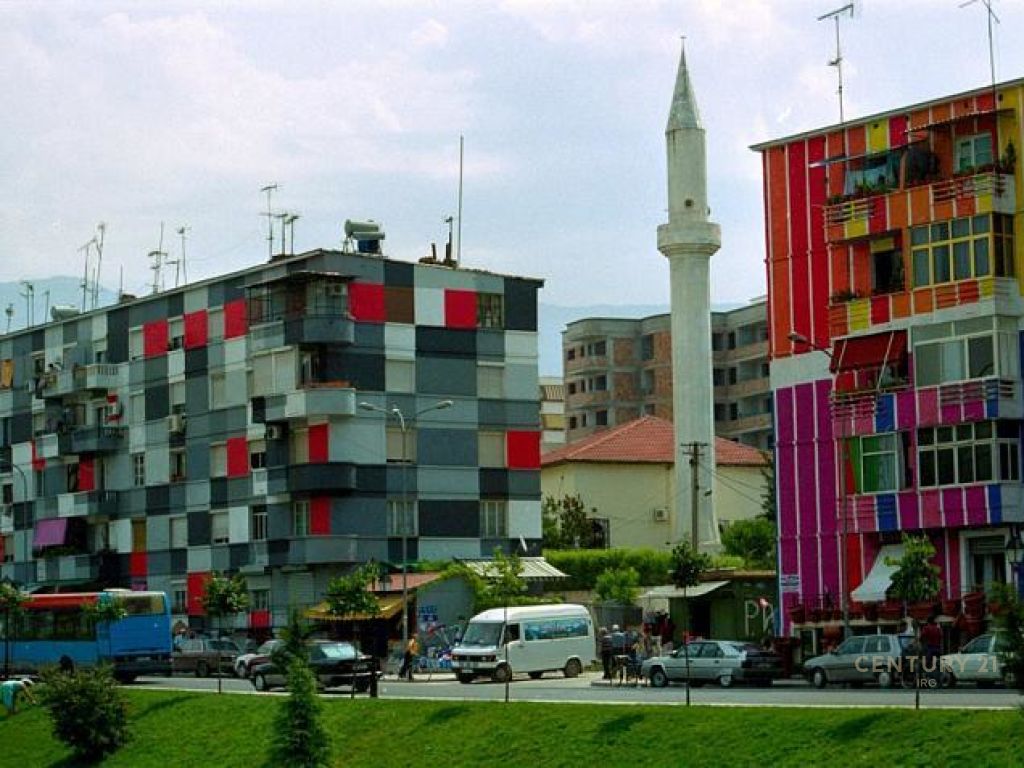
pixel 10 315
pixel 85 271
pixel 30 301
pixel 991 15
pixel 269 190
pixel 158 257
pixel 837 62
pixel 182 231
pixel 458 247
pixel 289 221
pixel 101 230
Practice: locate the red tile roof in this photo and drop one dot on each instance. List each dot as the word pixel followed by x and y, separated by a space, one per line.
pixel 647 440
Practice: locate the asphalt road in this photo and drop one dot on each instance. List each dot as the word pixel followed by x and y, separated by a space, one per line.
pixel 589 688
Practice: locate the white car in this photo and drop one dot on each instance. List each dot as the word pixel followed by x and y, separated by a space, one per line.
pixel 714 661
pixel 978 661
pixel 245 663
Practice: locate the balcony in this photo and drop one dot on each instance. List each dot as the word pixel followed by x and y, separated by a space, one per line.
pixel 96 439
pixel 328 477
pixel 889 209
pixel 70 569
pixel 322 399
pixel 583 399
pixel 58 383
pixel 743 424
pixel 99 376
pixel 587 363
pixel 87 504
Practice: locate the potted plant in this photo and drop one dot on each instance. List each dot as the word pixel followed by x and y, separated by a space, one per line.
pixel 871 611
pixel 951 607
pixel 797 613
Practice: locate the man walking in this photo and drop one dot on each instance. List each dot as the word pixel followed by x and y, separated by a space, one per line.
pixel 412 650
pixel 605 643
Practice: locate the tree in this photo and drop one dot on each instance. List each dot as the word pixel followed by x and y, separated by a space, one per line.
pixel 87 709
pixel 565 523
pixel 224 596
pixel 299 736
pixel 753 540
pixel 295 635
pixel 503 584
pixel 916 578
pixel 1010 621
pixel 351 593
pixel 688 565
pixel 11 600
pixel 619 585
pixel 768 511
pixel 105 611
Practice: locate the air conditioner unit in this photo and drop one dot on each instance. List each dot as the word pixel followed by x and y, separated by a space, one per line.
pixel 176 423
pixel 660 514
pixel 273 431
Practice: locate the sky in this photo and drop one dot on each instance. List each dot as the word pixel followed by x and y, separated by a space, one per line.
pixel 137 113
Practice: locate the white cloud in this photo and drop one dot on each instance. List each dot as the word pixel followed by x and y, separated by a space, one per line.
pixel 430 34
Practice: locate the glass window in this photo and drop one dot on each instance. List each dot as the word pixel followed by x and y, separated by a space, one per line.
pixel 490 310
pixel 258 523
pixel 396 451
pixel 179 532
pixel 401 518
pixel 219 527
pixel 300 518
pixel 491 447
pixel 970 454
pixel 493 519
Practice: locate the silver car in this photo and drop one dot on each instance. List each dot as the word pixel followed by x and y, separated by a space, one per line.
pixel 717 661
pixel 862 659
pixel 978 661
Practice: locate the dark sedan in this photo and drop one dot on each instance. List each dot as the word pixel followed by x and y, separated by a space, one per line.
pixel 333 663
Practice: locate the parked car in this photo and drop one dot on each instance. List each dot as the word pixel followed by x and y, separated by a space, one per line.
pixel 721 661
pixel 245 663
pixel 202 656
pixel 333 663
pixel 979 661
pixel 861 659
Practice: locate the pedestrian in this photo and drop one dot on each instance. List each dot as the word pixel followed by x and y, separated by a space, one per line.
pixel 412 650
pixel 605 641
pixel 10 690
pixel 931 639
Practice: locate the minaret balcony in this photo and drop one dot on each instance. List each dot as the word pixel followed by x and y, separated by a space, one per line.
pixel 875 211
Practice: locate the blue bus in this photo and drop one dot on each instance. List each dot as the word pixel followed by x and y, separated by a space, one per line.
pixel 56 630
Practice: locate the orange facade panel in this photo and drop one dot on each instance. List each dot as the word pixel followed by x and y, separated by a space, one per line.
pixel 923 301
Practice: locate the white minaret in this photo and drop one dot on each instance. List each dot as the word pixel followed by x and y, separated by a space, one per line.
pixel 688 241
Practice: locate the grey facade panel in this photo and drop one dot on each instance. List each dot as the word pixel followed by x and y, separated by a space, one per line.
pixel 359 517
pixel 490 345
pixel 449 518
pixel 445 375
pixel 523 484
pixel 198 529
pixel 446 447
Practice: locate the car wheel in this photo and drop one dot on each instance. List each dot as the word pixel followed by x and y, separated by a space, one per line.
pixel 658 678
pixel 259 682
pixel 764 683
pixel 573 668
pixel 725 681
pixel 240 670
pixel 985 684
pixel 202 670
pixel 884 679
pixel 1008 679
pixel 819 679
pixel 464 677
pixel 362 686
pixel 949 680
pixel 501 673
pixel 536 675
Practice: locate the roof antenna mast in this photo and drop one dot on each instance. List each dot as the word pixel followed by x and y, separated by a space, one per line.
pixel 269 190
pixel 991 15
pixel 837 62
pixel 101 230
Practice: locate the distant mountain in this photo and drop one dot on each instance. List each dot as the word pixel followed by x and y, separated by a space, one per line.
pixel 62 290
pixel 552 319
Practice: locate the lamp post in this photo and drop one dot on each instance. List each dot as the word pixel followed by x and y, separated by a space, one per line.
pixel 840 446
pixel 404 424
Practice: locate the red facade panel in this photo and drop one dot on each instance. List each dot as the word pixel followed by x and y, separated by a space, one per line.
pixel 154 338
pixel 86 474
pixel 320 516
pixel 196 329
pixel 522 449
pixel 459 308
pixel 799 240
pixel 238 456
pixel 138 564
pixel 236 319
pixel 259 619
pixel 194 586
pixel 319 443
pixel 366 302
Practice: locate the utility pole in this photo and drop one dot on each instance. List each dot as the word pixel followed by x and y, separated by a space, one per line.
pixel 693 451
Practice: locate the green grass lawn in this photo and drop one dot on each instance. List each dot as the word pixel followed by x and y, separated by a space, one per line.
pixel 195 729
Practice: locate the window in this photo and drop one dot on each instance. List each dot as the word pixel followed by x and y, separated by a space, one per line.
pixel 980 452
pixel 878 171
pixel 218 460
pixel 572 387
pixel 493 519
pixel 179 532
pixel 258 523
pixel 490 381
pixel 219 527
pixel 646 382
pixel 599 348
pixel 719 411
pixel 179 597
pixel 178 465
pixel 647 347
pixel 601 418
pixel 259 600
pixel 176 330
pixel 139 535
pixel 7 549
pixel 300 518
pixel 717 377
pixel 137 407
pixel 734 411
pixel 878 461
pixel 600 384
pixel 765 370
pixel 401 518
pixel 490 310
pixel 570 354
pixel 886 266
pixel 973 151
pixel 965 350
pixel 258 454
pixel 572 422
pixel 958 249
pixel 138 469
pixel 218 390
pixel 491 449
pixel 395 450
pixel 731 340
pixel 400 375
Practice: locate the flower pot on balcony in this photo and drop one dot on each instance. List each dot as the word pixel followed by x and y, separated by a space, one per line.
pixel 972 627
pixel 919 611
pixel 815 614
pixel 890 611
pixel 974 605
pixel 871 611
pixel 995 607
pixel 950 607
pixel 797 613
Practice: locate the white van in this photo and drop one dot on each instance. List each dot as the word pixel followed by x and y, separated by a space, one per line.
pixel 538 639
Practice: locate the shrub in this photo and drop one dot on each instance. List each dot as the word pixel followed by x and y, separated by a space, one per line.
pixel 618 586
pixel 299 737
pixel 583 566
pixel 89 713
pixel 753 540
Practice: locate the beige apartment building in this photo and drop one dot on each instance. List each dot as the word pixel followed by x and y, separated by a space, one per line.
pixel 618 369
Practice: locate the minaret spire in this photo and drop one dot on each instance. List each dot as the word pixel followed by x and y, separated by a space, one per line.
pixel 688 241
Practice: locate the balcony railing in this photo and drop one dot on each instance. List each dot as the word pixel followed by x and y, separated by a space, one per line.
pixel 96 439
pixel 98 376
pixel 973 391
pixel 852 210
pixel 966 187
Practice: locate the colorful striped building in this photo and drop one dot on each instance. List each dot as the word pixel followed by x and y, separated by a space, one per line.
pixel 896 316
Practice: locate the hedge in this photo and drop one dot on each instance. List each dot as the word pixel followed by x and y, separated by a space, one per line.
pixel 583 566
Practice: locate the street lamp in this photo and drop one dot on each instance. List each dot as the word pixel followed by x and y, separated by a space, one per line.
pixel 844 580
pixel 404 424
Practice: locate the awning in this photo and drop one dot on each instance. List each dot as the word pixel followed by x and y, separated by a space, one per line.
pixel 672 591
pixel 388 606
pixel 874 587
pixel 868 351
pixel 50 533
pixel 530 568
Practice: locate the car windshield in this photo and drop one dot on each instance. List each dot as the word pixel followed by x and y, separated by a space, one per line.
pixel 482 634
pixel 268 647
pixel 338 650
pixel 744 647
